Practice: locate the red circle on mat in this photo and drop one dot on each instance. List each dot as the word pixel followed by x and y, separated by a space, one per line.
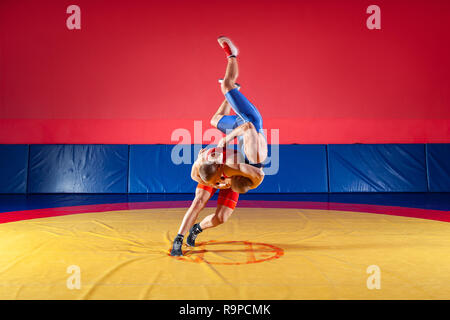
pixel 256 252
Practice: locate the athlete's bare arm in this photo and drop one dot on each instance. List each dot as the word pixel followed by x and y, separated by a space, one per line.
pixel 194 173
pixel 255 144
pixel 256 175
pixel 238 131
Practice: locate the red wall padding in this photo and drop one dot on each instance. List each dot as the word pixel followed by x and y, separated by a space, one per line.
pixel 139 69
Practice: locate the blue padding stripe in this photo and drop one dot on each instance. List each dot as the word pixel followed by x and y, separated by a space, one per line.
pixel 377 168
pixel 166 168
pixel 295 168
pixel 438 163
pixel 13 168
pixel 162 168
pixel 78 169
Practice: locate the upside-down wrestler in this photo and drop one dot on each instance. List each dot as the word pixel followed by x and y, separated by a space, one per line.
pixel 231 171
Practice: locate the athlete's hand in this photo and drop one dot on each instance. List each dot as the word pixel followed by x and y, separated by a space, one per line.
pixel 200 153
pixel 223 185
pixel 222 143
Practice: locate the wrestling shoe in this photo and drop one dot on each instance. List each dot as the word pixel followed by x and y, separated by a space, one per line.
pixel 238 86
pixel 228 46
pixel 176 247
pixel 193 233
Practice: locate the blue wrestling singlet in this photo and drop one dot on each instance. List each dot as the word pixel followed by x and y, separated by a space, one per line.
pixel 245 112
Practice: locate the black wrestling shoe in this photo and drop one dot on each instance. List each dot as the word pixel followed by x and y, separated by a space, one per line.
pixel 238 86
pixel 176 247
pixel 193 233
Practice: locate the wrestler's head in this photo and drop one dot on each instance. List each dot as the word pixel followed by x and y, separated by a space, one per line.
pixel 240 184
pixel 210 172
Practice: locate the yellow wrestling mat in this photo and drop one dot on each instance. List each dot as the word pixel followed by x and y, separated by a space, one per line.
pixel 257 254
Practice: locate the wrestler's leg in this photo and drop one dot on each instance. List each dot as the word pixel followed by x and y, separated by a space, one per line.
pixel 255 143
pixel 222 119
pixel 202 195
pixel 224 109
pixel 226 203
pixel 255 146
pixel 254 140
pixel 232 71
pixel 220 216
pixel 231 74
pixel 201 198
